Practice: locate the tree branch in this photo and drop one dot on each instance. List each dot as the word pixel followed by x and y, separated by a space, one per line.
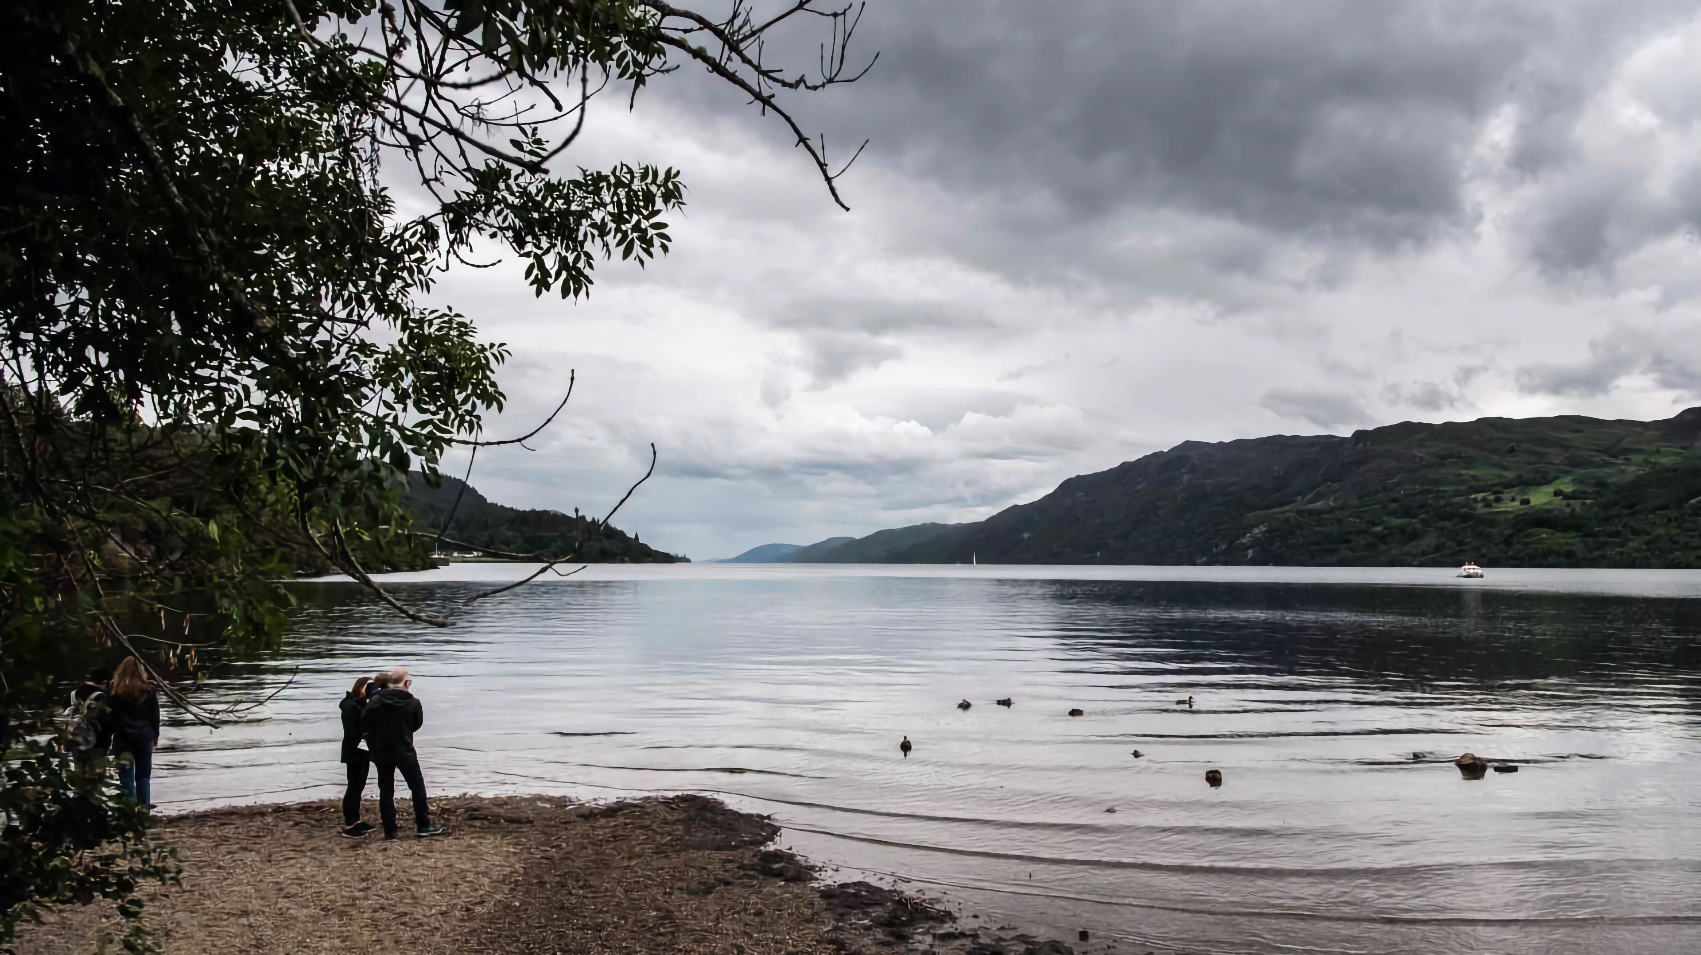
pixel 572 376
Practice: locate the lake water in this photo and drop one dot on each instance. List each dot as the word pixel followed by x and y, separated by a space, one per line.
pixel 789 687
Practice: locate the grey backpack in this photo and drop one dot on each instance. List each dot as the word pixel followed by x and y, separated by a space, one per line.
pixel 81 721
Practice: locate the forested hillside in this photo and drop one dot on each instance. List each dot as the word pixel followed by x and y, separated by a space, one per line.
pixel 1564 491
pixel 497 527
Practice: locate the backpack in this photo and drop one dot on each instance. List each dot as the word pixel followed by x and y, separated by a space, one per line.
pixel 82 721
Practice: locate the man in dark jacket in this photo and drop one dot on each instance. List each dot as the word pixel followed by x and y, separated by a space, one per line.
pixel 389 722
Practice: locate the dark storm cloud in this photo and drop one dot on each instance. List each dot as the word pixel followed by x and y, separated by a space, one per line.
pixel 875 316
pixel 1342 118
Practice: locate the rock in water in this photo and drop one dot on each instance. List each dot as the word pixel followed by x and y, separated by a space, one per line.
pixel 1077 712
pixel 1214 777
pixel 1471 766
pixel 1138 754
pixel 1506 768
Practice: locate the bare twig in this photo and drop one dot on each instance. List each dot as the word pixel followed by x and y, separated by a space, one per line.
pixel 572 376
pixel 535 575
pixel 465 483
pixel 634 487
pixel 351 567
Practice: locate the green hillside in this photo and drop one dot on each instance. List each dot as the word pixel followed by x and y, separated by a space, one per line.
pixel 497 527
pixel 1565 491
pixel 877 548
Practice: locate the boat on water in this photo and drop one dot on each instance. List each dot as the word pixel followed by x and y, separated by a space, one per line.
pixel 1470 570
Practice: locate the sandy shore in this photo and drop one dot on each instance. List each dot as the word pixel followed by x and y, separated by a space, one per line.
pixel 518 876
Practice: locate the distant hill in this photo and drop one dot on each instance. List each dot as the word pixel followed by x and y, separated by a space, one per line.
pixel 763 554
pixel 1565 491
pixel 807 555
pixel 511 530
pixel 877 548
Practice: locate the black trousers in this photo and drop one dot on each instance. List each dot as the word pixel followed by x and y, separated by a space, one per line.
pixel 409 766
pixel 357 767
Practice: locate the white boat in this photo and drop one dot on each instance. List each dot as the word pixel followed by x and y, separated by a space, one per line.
pixel 1470 570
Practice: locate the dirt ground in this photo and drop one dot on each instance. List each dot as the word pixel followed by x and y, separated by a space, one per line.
pixel 515 876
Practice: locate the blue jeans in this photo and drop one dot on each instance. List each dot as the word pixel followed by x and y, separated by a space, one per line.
pixel 136 768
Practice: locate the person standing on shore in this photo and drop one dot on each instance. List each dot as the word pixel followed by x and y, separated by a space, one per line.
pixel 89 733
pixel 134 706
pixel 389 722
pixel 356 758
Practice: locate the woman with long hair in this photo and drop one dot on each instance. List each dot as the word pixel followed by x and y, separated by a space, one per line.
pixel 355 757
pixel 134 706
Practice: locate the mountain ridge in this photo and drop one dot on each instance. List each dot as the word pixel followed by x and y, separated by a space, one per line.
pixel 1566 490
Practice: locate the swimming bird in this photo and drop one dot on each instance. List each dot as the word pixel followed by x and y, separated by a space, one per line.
pixel 1214 777
pixel 1077 712
pixel 964 705
pixel 1420 755
pixel 1138 754
pixel 904 747
pixel 1186 702
pixel 1003 702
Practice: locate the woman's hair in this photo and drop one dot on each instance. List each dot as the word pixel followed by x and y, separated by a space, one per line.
pixel 360 687
pixel 131 681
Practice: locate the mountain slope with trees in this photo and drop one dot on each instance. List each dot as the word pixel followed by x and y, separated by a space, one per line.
pixel 1567 491
pixel 473 519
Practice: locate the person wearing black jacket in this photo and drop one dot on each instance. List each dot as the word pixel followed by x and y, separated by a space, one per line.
pixel 355 757
pixel 389 722
pixel 134 712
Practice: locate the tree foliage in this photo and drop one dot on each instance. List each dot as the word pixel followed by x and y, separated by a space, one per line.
pixel 217 218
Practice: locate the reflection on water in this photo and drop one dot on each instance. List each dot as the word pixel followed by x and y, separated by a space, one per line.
pixel 1333 712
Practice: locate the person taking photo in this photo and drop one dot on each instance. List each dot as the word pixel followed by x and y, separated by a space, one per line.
pixel 389 721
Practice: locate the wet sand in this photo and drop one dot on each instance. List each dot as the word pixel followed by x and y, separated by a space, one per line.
pixel 517 876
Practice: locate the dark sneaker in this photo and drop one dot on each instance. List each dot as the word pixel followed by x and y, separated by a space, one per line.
pixel 432 830
pixel 358 830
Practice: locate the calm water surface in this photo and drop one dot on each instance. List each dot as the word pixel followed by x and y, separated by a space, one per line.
pixel 1315 693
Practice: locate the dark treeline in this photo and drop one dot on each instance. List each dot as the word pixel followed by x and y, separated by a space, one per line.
pixel 550 534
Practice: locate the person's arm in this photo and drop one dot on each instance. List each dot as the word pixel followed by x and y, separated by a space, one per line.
pixel 418 717
pixel 153 717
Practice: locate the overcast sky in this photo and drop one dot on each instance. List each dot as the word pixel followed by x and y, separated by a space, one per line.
pixel 1087 231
